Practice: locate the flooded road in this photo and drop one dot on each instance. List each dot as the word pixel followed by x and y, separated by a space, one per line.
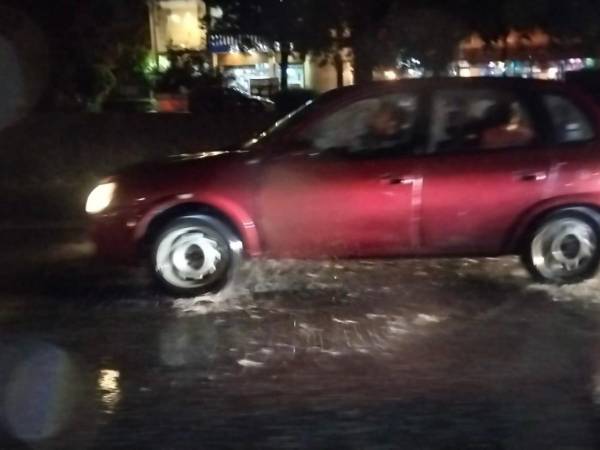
pixel 410 354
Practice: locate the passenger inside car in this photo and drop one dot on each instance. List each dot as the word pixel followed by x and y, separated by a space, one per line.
pixel 504 126
pixel 386 128
pixel 483 120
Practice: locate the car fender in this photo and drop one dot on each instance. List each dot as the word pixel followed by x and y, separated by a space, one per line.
pixel 239 216
pixel 527 220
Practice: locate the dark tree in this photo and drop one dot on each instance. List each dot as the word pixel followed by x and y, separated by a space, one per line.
pixel 379 32
pixel 88 40
pixel 572 24
pixel 569 24
pixel 430 34
pixel 365 23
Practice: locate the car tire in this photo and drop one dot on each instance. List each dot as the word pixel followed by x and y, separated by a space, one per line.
pixel 195 255
pixel 564 248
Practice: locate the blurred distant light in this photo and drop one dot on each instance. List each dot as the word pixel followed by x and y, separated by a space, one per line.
pixel 553 73
pixel 465 72
pixel 413 73
pixel 216 12
pixel 390 75
pixel 176 18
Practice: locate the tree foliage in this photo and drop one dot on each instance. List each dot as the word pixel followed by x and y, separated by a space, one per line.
pixel 430 34
pixel 573 23
pixel 90 41
pixel 361 26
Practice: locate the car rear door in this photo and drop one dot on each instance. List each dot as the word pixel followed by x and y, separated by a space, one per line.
pixel 575 151
pixel 324 198
pixel 480 175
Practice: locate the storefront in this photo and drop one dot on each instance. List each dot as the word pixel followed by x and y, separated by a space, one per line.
pixel 249 64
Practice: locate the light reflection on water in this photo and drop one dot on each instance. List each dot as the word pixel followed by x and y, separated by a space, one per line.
pixel 108 385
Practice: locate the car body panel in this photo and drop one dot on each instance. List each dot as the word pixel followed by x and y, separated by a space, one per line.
pixel 470 200
pixel 208 179
pixel 573 181
pixel 315 207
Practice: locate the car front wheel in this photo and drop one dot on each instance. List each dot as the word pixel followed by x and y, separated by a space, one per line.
pixel 564 249
pixel 195 256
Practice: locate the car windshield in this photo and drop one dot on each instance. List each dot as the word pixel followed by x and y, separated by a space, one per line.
pixel 284 124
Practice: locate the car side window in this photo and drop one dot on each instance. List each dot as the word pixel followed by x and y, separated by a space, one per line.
pixel 570 123
pixel 479 120
pixel 371 126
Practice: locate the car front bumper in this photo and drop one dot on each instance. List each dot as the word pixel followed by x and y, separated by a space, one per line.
pixel 114 237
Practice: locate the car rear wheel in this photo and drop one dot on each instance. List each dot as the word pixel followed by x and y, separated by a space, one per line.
pixel 195 256
pixel 564 249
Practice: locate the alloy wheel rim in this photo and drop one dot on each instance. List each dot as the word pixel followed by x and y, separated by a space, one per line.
pixel 192 257
pixel 564 248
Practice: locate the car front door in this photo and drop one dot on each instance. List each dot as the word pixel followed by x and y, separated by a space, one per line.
pixel 346 191
pixel 486 167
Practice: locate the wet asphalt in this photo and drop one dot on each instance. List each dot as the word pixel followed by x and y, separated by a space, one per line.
pixel 407 354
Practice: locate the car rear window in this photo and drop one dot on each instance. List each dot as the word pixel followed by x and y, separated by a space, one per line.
pixel 570 123
pixel 479 119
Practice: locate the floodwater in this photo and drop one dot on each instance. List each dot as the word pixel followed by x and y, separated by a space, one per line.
pixel 409 354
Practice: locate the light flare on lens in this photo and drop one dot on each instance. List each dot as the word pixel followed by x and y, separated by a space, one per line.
pixel 41 395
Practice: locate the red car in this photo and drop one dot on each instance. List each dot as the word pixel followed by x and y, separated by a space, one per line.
pixel 455 167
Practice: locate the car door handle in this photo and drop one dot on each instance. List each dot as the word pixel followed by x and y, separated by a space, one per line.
pixel 533 176
pixel 395 179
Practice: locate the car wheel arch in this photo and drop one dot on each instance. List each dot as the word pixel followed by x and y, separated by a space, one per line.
pixel 161 220
pixel 531 223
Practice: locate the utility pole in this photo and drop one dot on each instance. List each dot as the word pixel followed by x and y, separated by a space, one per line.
pixel 208 27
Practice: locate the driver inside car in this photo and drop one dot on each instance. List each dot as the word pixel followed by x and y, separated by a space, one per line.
pixel 385 129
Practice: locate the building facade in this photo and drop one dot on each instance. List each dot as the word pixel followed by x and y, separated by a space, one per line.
pixel 177 24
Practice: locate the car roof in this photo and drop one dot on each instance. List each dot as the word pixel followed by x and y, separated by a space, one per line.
pixel 425 84
pixel 455 82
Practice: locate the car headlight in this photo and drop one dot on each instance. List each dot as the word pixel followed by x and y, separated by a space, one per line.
pixel 100 198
